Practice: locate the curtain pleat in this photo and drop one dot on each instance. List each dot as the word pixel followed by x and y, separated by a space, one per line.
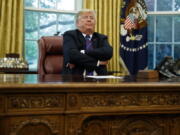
pixel 11 27
pixel 108 23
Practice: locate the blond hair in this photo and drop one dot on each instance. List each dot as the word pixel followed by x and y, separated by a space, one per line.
pixel 78 15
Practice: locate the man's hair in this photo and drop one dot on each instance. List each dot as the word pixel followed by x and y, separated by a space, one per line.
pixel 84 11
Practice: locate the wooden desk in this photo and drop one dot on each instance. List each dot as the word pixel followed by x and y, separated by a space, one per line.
pixel 64 105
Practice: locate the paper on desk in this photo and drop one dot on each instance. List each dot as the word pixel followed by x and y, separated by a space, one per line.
pixel 104 76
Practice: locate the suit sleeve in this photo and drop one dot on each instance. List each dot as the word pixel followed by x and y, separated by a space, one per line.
pixel 73 55
pixel 103 52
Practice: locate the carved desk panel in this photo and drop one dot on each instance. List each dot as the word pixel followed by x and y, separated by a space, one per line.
pixel 62 105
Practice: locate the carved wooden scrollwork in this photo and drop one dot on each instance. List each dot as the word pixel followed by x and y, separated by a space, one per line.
pixel 175 126
pixel 137 126
pixel 1 104
pixel 73 123
pixel 25 102
pixel 72 100
pixel 119 125
pixel 36 127
pixel 95 127
pixel 124 99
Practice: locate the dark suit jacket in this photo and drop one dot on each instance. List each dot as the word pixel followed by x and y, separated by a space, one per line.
pixel 74 42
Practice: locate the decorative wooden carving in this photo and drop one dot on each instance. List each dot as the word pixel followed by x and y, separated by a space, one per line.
pixel 111 125
pixel 73 123
pixel 1 104
pixel 29 102
pixel 137 127
pixel 34 127
pixel 89 108
pixel 175 126
pixel 125 99
pixel 72 100
pixel 96 127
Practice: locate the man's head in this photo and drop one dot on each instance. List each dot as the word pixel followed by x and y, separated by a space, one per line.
pixel 86 20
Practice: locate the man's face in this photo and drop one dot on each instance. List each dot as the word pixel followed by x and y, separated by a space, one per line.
pixel 86 23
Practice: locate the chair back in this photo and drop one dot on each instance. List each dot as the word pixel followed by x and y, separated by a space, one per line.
pixel 50 59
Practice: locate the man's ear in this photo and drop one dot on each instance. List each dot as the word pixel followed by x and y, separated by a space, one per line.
pixel 77 23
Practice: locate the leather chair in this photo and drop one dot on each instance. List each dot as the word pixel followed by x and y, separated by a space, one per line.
pixel 50 59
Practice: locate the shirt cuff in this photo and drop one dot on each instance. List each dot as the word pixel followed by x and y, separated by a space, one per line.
pixel 82 51
pixel 98 63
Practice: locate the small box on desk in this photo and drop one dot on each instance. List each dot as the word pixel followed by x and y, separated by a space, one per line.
pixel 148 74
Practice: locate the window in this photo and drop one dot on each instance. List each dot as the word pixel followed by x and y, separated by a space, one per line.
pixel 163 30
pixel 46 18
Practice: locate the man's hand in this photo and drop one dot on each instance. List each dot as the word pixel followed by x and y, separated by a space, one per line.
pixel 103 62
pixel 71 66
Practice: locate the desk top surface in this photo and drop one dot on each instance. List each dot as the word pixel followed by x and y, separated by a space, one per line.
pixel 57 79
pixel 57 83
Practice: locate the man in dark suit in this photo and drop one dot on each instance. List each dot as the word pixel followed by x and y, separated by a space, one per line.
pixel 80 59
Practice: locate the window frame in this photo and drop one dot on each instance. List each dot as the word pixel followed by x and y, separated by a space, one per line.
pixel 154 43
pixel 78 5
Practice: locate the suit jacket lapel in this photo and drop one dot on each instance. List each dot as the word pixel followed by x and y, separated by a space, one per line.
pixel 94 41
pixel 81 39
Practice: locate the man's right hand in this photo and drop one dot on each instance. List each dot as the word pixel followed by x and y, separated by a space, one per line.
pixel 71 66
pixel 103 62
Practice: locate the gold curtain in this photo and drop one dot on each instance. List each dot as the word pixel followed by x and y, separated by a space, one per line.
pixel 108 23
pixel 11 27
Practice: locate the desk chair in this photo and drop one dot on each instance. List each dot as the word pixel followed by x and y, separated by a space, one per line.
pixel 50 60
